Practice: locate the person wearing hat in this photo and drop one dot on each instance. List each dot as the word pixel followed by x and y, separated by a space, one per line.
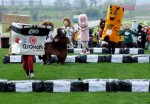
pixel 127 33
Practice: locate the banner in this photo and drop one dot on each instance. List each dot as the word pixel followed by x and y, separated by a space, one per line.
pixel 28 39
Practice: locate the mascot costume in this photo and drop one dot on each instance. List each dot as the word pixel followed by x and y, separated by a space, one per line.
pixel 127 33
pixel 69 29
pixel 100 32
pixel 58 47
pixel 112 26
pixel 101 27
pixel 28 40
pixel 84 32
pixel 142 38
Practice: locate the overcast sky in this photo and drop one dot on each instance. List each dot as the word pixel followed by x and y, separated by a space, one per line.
pixel 46 2
pixel 138 2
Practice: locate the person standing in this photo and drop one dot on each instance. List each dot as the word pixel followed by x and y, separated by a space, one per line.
pixel 28 40
pixel 27 62
pixel 84 32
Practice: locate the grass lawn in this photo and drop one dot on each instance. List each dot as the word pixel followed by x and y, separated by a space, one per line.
pixel 73 71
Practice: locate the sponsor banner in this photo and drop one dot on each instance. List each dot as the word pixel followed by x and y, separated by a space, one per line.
pixel 28 39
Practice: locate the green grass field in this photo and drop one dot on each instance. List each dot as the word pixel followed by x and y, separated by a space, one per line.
pixel 73 71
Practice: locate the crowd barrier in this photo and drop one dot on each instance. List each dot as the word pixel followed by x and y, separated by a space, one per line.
pixel 76 85
pixel 91 58
pixel 105 50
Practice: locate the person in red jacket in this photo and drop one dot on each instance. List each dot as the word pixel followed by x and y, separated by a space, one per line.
pixel 27 62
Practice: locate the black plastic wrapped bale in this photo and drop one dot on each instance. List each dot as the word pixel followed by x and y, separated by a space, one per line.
pixel 78 59
pixel 3 86
pixel 119 51
pixel 5 42
pixel 122 51
pixel 48 86
pixel 101 59
pixel 104 51
pixel 112 86
pixel 126 51
pixel 125 86
pixel 82 58
pixel 77 86
pixel 6 59
pixel 11 87
pixel 140 51
pixel 91 50
pixel 108 58
pixel 86 86
pixel 135 59
pixel 70 50
pixel 127 59
pixel 37 86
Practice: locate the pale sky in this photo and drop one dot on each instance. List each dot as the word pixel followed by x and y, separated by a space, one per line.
pixel 138 2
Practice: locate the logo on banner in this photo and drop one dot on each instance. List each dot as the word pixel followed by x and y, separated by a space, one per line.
pixel 32 44
pixel 32 40
pixel 33 31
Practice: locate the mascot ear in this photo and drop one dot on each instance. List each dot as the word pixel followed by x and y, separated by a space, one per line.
pixel 110 6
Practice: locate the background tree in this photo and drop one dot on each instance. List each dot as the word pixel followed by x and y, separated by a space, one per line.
pixel 59 4
pixel 93 3
pixel 3 10
pixel 34 12
pixel 80 4
pixel 62 5
pixel 92 13
pixel 15 10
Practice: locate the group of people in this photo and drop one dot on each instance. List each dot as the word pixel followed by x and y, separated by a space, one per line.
pixel 71 33
pixel 129 37
pixel 84 37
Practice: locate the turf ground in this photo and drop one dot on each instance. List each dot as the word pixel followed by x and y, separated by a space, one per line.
pixel 73 71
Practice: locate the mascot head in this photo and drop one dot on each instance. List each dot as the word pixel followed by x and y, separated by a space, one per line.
pixel 83 21
pixel 126 26
pixel 102 24
pixel 140 27
pixel 115 13
pixel 66 22
pixel 61 33
pixel 48 25
pixel 113 22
